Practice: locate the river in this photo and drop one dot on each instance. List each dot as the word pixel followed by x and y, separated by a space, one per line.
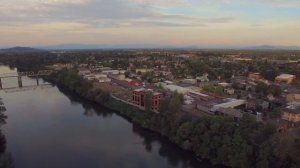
pixel 51 128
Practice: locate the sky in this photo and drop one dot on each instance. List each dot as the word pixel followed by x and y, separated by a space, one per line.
pixel 160 22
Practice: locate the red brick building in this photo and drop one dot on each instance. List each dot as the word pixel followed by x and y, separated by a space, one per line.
pixel 138 98
pixel 156 101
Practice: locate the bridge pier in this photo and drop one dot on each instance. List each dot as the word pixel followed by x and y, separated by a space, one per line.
pixel 20 81
pixel 0 84
pixel 37 81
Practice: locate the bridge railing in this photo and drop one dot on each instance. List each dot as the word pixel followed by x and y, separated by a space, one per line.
pixel 29 73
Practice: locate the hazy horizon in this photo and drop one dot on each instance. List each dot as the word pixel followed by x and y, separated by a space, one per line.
pixel 157 22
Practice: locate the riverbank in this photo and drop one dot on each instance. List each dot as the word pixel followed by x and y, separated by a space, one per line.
pixel 218 139
pixel 5 157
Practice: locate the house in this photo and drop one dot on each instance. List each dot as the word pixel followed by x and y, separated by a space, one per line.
pixel 189 81
pixel 188 100
pixel 103 79
pixel 224 84
pixel 118 76
pixel 257 105
pixel 135 83
pixel 291 113
pixel 84 72
pixel 250 86
pixel 287 78
pixel 229 91
pixel 168 82
pixel 203 78
pixel 271 97
pixel 138 98
pixel 281 125
pixel 89 77
pixel 293 97
pixel 142 70
pixel 108 72
pixel 255 76
pixel 59 66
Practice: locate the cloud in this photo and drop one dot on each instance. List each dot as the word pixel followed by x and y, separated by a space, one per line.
pixel 156 20
pixel 284 2
pixel 278 3
pixel 18 12
pixel 100 13
pixel 161 2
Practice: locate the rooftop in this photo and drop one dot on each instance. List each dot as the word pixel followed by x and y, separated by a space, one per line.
pixel 286 76
pixel 292 108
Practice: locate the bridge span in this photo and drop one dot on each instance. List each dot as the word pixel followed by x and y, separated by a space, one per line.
pixel 19 76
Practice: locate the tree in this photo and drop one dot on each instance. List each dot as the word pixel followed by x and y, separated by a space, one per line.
pixel 265 156
pixel 163 108
pixel 219 90
pixel 276 113
pixel 270 74
pixel 261 88
pixel 127 73
pixel 214 89
pixel 184 131
pixel 148 101
pixel 274 90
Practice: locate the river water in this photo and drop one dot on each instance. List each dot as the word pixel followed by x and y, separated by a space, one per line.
pixel 51 128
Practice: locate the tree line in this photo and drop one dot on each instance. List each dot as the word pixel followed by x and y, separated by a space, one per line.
pixel 219 139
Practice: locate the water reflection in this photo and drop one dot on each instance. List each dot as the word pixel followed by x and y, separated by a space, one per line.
pixel 175 156
pixel 90 108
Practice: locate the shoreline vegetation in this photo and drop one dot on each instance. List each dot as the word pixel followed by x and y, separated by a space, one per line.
pixel 221 140
pixel 6 160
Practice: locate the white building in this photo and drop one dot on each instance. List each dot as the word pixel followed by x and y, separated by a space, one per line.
pixel 190 81
pixel 203 78
pixel 188 100
pixel 229 91
pixel 230 103
pixel 113 72
pixel 103 79
pixel 89 77
pixel 174 88
pixel 84 72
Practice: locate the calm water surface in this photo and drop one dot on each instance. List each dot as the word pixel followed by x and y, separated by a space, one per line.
pixel 48 128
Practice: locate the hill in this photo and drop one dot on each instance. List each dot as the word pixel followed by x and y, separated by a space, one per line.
pixel 21 50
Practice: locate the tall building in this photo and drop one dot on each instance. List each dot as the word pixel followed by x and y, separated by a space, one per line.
pixel 138 98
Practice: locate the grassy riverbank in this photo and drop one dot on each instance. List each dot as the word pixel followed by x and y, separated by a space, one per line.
pixel 219 139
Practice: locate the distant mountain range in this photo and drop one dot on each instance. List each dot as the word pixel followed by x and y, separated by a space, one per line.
pixel 137 46
pixel 100 46
pixel 149 46
pixel 21 50
pixel 270 47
